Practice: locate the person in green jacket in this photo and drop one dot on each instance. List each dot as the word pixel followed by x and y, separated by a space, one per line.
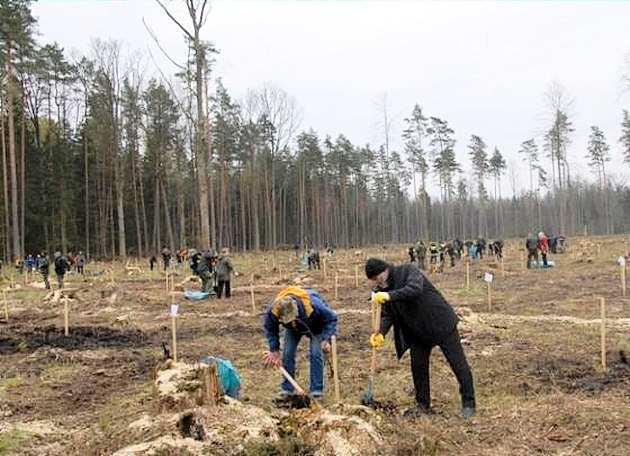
pixel 224 273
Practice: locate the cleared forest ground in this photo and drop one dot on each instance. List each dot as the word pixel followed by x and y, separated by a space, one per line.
pixel 535 355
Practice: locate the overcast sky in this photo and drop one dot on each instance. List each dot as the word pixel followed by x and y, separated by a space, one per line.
pixel 482 66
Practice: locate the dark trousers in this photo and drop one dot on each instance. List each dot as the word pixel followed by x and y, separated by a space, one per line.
pixel 223 285
pixel 531 255
pixel 454 353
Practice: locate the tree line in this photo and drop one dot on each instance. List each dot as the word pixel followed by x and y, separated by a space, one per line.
pixel 98 156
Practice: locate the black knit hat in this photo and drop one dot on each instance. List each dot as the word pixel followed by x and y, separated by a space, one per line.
pixel 374 266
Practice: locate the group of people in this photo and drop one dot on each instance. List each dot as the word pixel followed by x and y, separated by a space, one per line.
pixel 438 252
pixel 540 244
pixel 421 317
pixel 214 269
pixel 62 264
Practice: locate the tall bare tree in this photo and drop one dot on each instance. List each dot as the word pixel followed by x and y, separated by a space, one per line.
pixel 198 11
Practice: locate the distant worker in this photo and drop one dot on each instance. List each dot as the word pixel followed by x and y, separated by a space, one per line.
pixel 224 273
pixel 313 259
pixel 543 246
pixel 412 254
pixel 61 266
pixel 43 265
pixel 422 319
pixel 81 260
pixel 205 269
pixel 531 244
pixel 166 257
pixel 421 253
pixel 302 312
pixel 30 263
pixel 152 261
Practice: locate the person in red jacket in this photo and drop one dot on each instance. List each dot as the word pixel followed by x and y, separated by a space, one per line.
pixel 543 246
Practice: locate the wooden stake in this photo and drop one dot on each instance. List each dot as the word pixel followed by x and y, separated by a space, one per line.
pixel 623 280
pixel 6 305
pixel 174 334
pixel 213 390
pixel 66 329
pixel 489 296
pixel 333 343
pixel 502 268
pixel 356 276
pixel 166 279
pixel 251 291
pixel 522 262
pixel 467 275
pixel 599 248
pixel 336 286
pixel 602 305
pixel 324 267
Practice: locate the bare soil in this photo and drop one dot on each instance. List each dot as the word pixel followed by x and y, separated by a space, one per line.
pixel 535 353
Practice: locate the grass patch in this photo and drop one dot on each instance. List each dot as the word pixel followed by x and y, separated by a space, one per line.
pixel 12 440
pixel 12 382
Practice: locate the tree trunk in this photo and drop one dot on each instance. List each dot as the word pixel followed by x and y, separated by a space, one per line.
pixel 5 184
pixel 12 162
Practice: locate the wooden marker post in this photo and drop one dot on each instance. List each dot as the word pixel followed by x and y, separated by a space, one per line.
pixel 174 315
pixel 356 276
pixel 502 268
pixel 333 343
pixel 622 265
pixel 66 318
pixel 166 279
pixel 336 285
pixel 488 278
pixel 599 248
pixel 522 262
pixel 467 275
pixel 251 291
pixel 324 268
pixel 6 305
pixel 602 305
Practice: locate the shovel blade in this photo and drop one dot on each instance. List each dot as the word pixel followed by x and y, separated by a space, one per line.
pixel 368 397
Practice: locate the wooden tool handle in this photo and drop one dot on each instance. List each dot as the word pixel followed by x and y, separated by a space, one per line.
pixel 291 380
pixel 376 326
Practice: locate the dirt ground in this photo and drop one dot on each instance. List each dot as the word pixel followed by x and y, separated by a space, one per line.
pixel 535 353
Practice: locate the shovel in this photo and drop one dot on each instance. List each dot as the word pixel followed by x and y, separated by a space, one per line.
pixel 368 397
pixel 305 399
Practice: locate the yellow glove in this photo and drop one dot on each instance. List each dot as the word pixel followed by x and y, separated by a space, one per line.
pixel 381 297
pixel 377 340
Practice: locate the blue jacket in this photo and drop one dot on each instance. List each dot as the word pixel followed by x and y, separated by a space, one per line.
pixel 314 317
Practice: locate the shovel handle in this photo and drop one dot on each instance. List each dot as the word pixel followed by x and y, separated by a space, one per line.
pixel 376 326
pixel 292 381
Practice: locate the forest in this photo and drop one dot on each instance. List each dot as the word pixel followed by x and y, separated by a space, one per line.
pixel 100 155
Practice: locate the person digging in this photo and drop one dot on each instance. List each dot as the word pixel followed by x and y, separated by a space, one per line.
pixel 302 312
pixel 422 319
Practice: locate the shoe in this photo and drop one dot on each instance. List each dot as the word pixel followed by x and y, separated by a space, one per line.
pixel 418 410
pixel 467 412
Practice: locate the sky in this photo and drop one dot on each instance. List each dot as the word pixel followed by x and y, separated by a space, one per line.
pixel 483 66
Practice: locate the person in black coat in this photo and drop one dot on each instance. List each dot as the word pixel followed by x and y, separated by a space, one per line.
pixel 422 319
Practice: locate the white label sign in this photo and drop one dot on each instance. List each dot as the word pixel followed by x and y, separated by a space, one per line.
pixel 488 277
pixel 372 296
pixel 622 261
pixel 174 310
